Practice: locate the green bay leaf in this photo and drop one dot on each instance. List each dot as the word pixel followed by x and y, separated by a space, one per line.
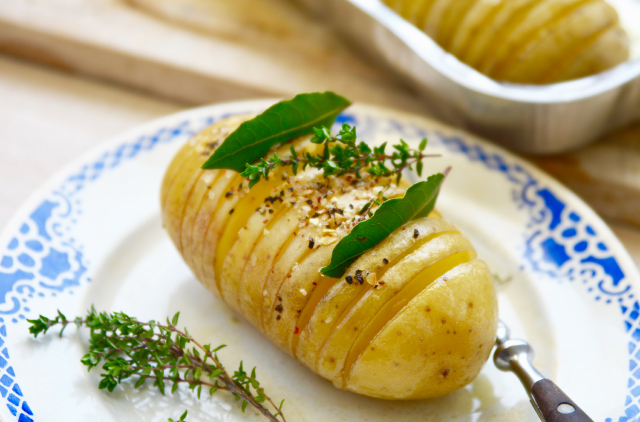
pixel 281 122
pixel 417 202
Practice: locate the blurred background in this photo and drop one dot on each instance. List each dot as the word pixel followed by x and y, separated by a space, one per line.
pixel 74 73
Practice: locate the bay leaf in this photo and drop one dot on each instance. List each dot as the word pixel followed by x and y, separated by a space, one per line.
pixel 417 202
pixel 281 122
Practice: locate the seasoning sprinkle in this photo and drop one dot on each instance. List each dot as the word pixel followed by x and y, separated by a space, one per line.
pixel 359 279
pixel 416 233
pixel 228 194
pixel 312 242
pixel 372 279
pixel 385 260
pixel 231 211
pixel 349 279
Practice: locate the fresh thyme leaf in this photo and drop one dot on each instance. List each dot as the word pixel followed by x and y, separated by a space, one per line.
pixel 183 418
pixel 279 123
pixel 128 348
pixel 343 155
pixel 418 201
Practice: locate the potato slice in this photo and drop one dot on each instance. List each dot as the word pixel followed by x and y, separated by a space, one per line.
pixel 343 295
pixel 609 48
pixel 436 344
pixel 444 18
pixel 437 256
pixel 478 17
pixel 532 61
pixel 496 30
pixel 290 255
pixel 523 41
pixel 253 279
pixel 296 292
pixel 536 21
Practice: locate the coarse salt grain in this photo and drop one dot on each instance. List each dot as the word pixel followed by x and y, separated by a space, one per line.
pixel 265 232
pixel 372 278
pixel 328 320
pixel 327 240
pixel 211 194
pixel 303 291
pixel 207 178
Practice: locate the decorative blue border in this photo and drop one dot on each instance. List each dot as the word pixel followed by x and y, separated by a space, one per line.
pixel 43 260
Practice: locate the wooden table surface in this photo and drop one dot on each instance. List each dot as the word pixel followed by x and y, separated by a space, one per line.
pixel 48 118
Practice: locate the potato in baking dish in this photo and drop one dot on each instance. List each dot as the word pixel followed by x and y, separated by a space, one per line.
pixel 414 317
pixel 524 41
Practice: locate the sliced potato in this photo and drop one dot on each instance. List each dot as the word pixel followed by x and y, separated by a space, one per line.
pixel 496 30
pixel 436 344
pixel 523 41
pixel 533 60
pixel 600 55
pixel 444 18
pixel 373 309
pixel 472 24
pixel 537 20
pixel 261 250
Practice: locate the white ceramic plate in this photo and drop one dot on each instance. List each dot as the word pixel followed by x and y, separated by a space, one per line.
pixel 93 235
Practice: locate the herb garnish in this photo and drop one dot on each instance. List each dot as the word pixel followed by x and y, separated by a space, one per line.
pixel 342 155
pixel 149 350
pixel 281 122
pixel 417 202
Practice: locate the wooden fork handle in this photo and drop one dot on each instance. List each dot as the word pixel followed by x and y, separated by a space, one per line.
pixel 554 405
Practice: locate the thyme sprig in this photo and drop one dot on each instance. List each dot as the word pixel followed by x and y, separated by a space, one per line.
pixel 342 154
pixel 149 350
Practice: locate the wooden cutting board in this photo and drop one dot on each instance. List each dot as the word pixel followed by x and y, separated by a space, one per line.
pixel 201 51
pixel 276 50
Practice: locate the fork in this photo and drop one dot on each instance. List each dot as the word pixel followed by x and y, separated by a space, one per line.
pixel 550 403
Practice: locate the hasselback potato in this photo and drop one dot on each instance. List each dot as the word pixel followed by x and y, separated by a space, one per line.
pixel 414 317
pixel 524 41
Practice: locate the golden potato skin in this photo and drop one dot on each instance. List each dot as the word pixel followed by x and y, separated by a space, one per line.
pixel 422 329
pixel 524 41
